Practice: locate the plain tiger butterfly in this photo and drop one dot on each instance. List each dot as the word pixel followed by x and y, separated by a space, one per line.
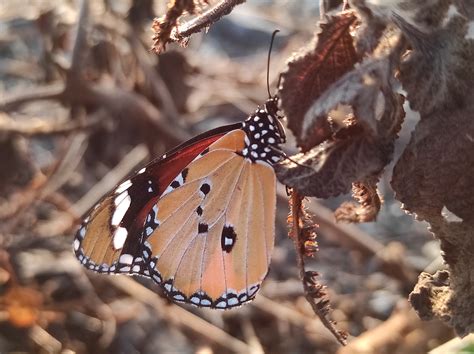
pixel 200 220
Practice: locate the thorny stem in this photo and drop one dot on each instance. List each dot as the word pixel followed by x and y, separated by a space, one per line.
pixel 314 292
pixel 204 20
pixel 296 205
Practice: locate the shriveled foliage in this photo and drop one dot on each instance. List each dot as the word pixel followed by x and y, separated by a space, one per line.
pixel 428 49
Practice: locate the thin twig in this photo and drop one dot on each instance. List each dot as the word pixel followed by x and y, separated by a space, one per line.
pixel 148 63
pixel 119 102
pixel 50 92
pixel 44 340
pixel 178 315
pixel 66 165
pixel 78 49
pixel 95 303
pixel 250 336
pixel 354 238
pixel 287 314
pixel 41 127
pixel 43 185
pixel 204 20
pixel 127 164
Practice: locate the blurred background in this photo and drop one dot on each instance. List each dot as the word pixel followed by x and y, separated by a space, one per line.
pixel 84 102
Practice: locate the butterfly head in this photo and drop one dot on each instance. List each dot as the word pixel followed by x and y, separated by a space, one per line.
pixel 271 106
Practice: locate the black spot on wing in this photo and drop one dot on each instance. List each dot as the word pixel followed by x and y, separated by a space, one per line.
pixel 199 210
pixel 205 188
pixel 202 228
pixel 184 174
pixel 175 184
pixel 228 238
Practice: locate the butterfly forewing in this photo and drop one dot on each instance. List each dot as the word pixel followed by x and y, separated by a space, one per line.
pixel 110 240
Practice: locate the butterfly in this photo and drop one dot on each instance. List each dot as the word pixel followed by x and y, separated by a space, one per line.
pixel 200 220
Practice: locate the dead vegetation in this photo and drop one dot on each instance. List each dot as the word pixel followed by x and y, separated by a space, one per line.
pixel 83 102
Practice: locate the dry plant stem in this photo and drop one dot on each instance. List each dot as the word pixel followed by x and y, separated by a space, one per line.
pixel 78 49
pixel 95 303
pixel 57 91
pixel 19 202
pixel 76 92
pixel 179 316
pixel 74 149
pixel 40 127
pixel 288 314
pixel 118 101
pixel 402 332
pixel 251 338
pixel 160 89
pixel 205 19
pixel 123 169
pixel 298 240
pixel 51 92
pixel 43 185
pixel 353 238
pixel 44 340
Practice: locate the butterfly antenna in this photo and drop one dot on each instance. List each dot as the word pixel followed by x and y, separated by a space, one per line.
pixel 285 156
pixel 268 62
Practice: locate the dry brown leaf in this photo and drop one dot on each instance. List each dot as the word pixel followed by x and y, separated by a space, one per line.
pixel 448 295
pixel 425 15
pixel 313 70
pixel 371 29
pixel 330 168
pixel 354 154
pixel 438 74
pixel 360 88
pixel 436 169
pixel 434 175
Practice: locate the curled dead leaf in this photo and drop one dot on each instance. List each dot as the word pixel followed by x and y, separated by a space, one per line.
pixel 368 202
pixel 313 70
pixel 355 153
pixel 436 169
pixel 360 88
pixel 438 73
pixel 330 168
pixel 371 28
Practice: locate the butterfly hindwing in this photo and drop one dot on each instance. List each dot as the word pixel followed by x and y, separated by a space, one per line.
pixel 211 245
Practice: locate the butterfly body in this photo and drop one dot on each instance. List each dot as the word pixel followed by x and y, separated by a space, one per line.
pixel 199 221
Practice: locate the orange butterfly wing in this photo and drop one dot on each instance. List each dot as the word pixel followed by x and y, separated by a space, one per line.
pixel 212 235
pixel 110 238
pixel 199 220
